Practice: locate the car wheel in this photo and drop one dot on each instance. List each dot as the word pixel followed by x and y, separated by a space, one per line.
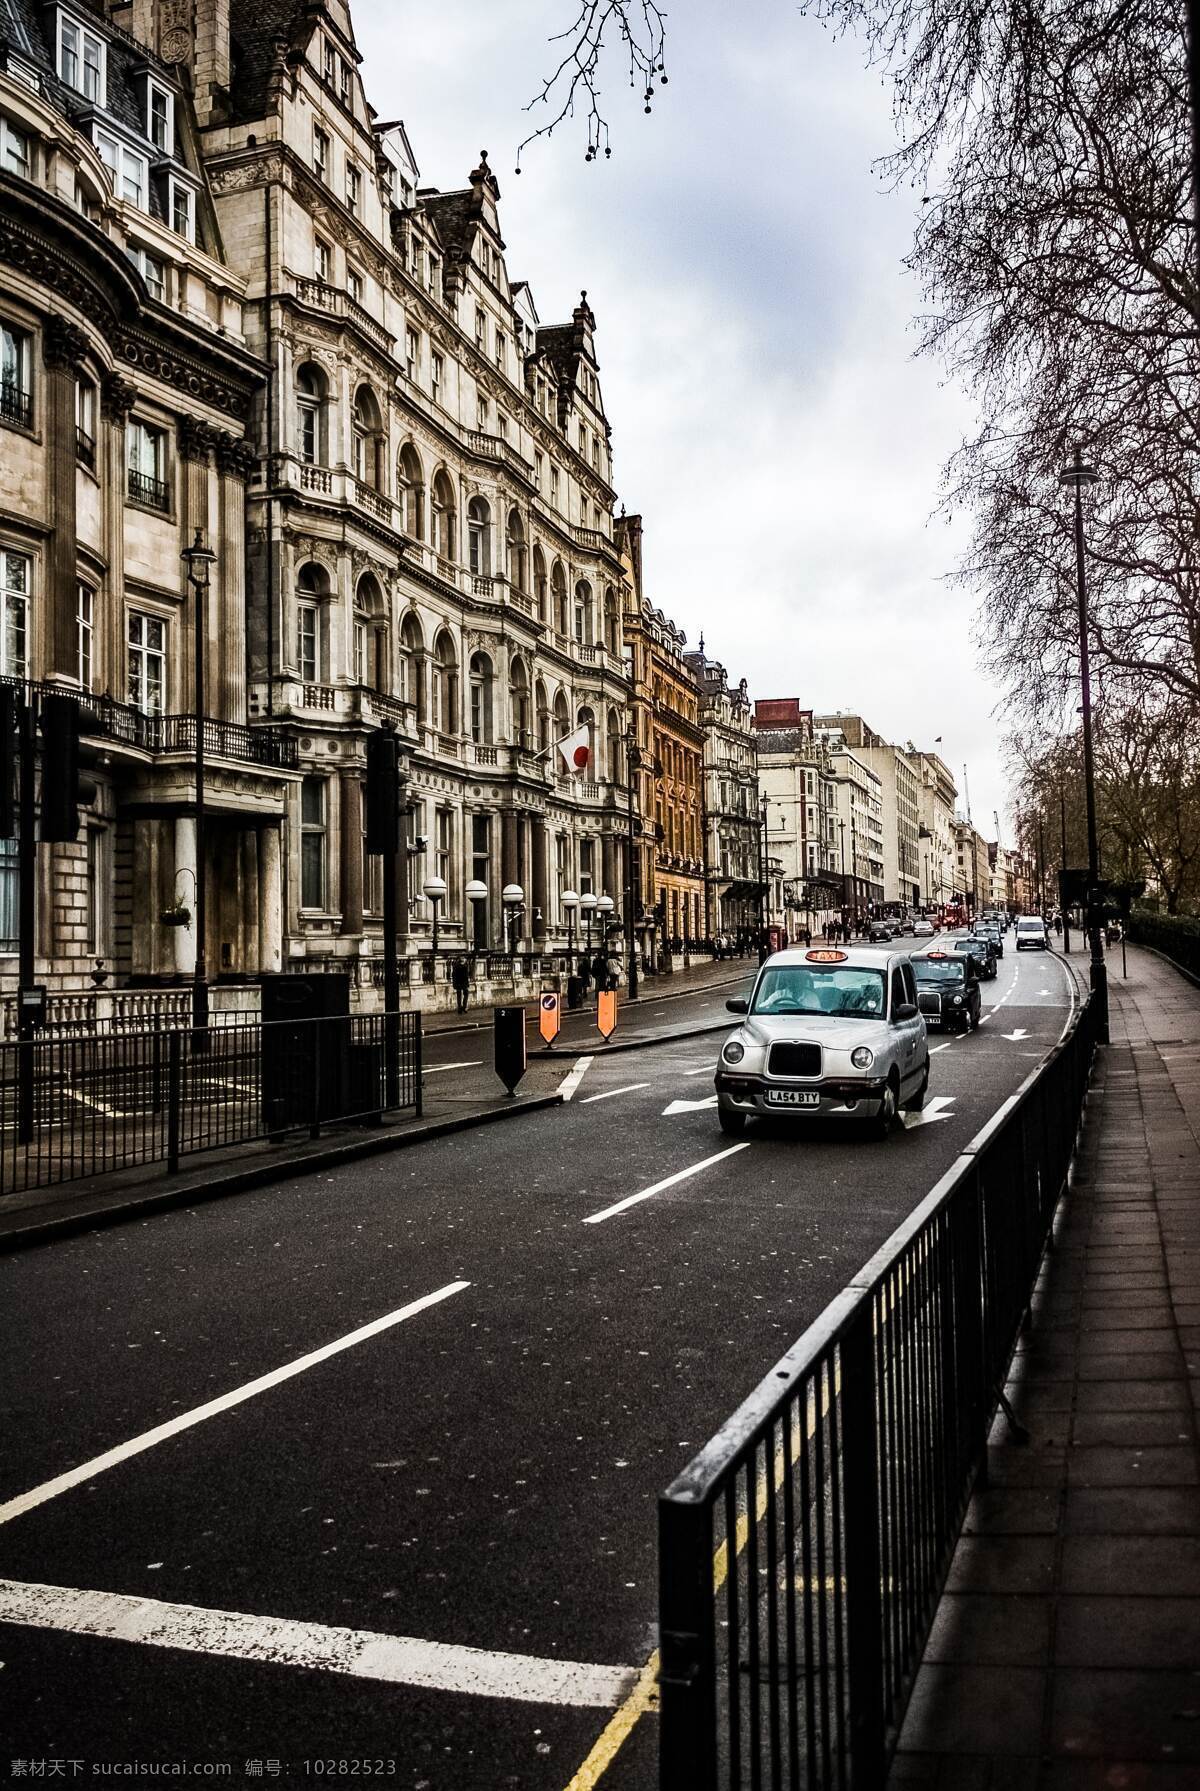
pixel 733 1124
pixel 917 1102
pixel 885 1119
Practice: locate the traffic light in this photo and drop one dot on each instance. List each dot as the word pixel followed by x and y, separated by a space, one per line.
pixel 66 785
pixel 9 720
pixel 383 792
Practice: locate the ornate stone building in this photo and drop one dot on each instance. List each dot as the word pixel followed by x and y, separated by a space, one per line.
pixel 733 886
pixel 431 541
pixel 127 396
pixel 665 701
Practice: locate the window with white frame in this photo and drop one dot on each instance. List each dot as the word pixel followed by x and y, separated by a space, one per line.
pixel 344 80
pixel 482 414
pixel 145 461
pixel 85 612
pixel 15 573
pixel 539 467
pixel 443 843
pixel 85 422
pixel 81 59
pixel 554 485
pixel 353 187
pixel 412 352
pixel 16 372
pixel 130 170
pixel 354 285
pixel 308 642
pixel 434 269
pixel 502 425
pixel 436 369
pixel 321 151
pixel 151 269
pixel 331 62
pixel 322 260
pixel 480 328
pixel 182 209
pixel 312 842
pixel 160 117
pixel 146 662
pixel 501 348
pixel 16 151
pixel 360 649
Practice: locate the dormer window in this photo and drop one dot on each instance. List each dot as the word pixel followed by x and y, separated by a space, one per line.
pixel 160 117
pixel 330 64
pixel 15 154
pixel 182 209
pixel 81 55
pixel 130 170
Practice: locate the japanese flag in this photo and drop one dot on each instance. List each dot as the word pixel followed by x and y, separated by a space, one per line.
pixel 576 752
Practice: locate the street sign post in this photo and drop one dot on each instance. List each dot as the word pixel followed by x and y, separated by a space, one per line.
pixel 510 1045
pixel 606 1013
pixel 549 1017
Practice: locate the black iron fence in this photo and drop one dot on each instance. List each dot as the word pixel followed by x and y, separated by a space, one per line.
pixel 73 1107
pixel 802 1553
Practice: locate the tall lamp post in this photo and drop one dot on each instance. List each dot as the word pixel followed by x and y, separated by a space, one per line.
pixel 633 760
pixel 475 892
pixel 587 902
pixel 198 559
pixel 570 902
pixel 842 842
pixel 604 908
pixel 435 889
pixel 1079 475
pixel 512 896
pixel 762 881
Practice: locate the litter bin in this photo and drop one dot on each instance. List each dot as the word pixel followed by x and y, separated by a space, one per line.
pixel 305 1050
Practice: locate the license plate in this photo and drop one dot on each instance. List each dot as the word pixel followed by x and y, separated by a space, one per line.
pixel 932 1019
pixel 792 1097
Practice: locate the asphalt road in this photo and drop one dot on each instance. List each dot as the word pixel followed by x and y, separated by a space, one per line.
pixel 477 1474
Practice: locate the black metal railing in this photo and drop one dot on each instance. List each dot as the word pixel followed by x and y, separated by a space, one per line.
pixel 802 1553
pixel 104 718
pixel 117 1101
pixel 144 488
pixel 16 406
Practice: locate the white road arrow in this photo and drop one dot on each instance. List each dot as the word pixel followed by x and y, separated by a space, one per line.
pixel 932 1111
pixel 688 1106
pixel 1020 1033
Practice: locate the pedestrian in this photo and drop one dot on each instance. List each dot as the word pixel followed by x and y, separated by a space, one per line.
pixel 806 935
pixel 585 976
pixel 1058 924
pixel 600 971
pixel 460 982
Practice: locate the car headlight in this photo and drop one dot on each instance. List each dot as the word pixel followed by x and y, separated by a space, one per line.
pixel 862 1058
pixel 958 1001
pixel 733 1052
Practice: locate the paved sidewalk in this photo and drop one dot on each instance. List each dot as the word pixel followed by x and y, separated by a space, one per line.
pixel 1066 1651
pixel 706 973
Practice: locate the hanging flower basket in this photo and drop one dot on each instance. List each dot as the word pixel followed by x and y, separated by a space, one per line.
pixel 178 916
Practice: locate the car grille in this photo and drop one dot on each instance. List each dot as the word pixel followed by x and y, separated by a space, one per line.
pixel 929 1001
pixel 794 1060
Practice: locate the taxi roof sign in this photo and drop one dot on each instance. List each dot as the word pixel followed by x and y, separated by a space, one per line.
pixel 826 957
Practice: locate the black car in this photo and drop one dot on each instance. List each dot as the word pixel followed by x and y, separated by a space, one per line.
pixel 978 947
pixel 879 932
pixel 947 989
pixel 990 930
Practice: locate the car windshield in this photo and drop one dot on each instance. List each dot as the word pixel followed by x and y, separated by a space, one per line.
pixel 809 989
pixel 938 970
pixel 1029 926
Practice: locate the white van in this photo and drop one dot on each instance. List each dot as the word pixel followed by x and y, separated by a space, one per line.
pixel 1031 932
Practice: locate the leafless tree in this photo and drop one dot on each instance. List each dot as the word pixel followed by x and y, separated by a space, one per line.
pixel 638 28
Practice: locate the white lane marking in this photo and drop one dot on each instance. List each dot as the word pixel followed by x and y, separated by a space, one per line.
pixel 439 1069
pixel 1062 964
pixel 934 1049
pixel 361 1653
pixel 610 1092
pixel 681 1175
pixel 689 1106
pixel 932 1111
pixel 705 1069
pixel 88 1470
pixel 1019 1034
pixel 573 1078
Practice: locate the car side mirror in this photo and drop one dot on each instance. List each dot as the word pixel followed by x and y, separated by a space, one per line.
pixel 737 1004
pixel 905 1011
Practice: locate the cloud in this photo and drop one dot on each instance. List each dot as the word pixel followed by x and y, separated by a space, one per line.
pixel 755 337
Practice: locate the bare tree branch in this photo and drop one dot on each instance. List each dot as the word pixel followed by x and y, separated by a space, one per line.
pixel 639 26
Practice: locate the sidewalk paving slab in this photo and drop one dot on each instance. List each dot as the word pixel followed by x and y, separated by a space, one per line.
pixel 1065 1653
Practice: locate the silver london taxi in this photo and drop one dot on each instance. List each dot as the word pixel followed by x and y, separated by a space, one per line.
pixel 828 1032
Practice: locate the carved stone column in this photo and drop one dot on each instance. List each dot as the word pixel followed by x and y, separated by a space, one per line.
pixel 117 399
pixel 350 839
pixel 64 346
pixel 270 900
pixel 194 442
pixel 235 463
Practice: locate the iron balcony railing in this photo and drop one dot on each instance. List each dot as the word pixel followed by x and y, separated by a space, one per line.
pixel 93 1105
pixel 16 406
pixel 143 488
pixel 803 1552
pixel 103 718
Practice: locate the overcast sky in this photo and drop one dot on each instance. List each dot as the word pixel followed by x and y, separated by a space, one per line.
pixel 755 337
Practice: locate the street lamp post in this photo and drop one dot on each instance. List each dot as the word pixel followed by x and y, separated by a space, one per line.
pixel 570 902
pixel 198 559
pixel 1079 475
pixel 633 760
pixel 604 908
pixel 512 896
pixel 435 889
pixel 475 892
pixel 1063 904
pixel 842 843
pixel 587 902
pixel 762 881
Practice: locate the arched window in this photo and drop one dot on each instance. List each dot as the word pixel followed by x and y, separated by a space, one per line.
pixel 612 622
pixel 515 561
pixel 542 703
pixel 367 429
pixel 479 537
pixel 541 590
pixel 412 665
pixel 312 390
pixel 410 490
pixel 445 685
pixel 616 745
pixel 583 612
pixel 371 659
pixel 587 719
pixel 562 725
pixel 482 705
pixel 558 592
pixel 312 622
pixel 518 697
pixel 443 514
